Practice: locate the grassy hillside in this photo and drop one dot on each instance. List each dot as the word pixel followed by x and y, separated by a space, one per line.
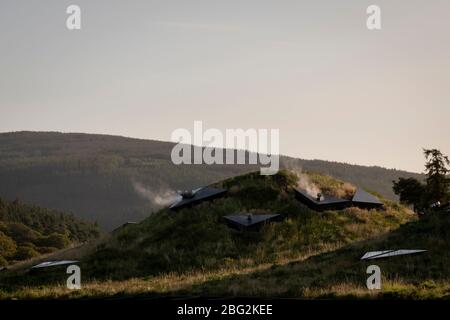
pixel 196 238
pixel 29 231
pixel 340 273
pixel 309 254
pixel 113 179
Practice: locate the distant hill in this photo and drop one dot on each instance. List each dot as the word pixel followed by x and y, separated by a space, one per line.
pixel 112 179
pixel 29 231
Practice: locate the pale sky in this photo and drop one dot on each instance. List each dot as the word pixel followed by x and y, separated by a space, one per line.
pixel 312 69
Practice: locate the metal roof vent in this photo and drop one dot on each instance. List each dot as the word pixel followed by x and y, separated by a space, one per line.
pixel 319 197
pixel 187 194
pixel 249 217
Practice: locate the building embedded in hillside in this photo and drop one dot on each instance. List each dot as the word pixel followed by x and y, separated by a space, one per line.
pixel 248 221
pixel 190 198
pixel 53 264
pixel 371 255
pixel 123 226
pixel 365 200
pixel 321 202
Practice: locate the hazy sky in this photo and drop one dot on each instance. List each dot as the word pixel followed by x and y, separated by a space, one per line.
pixel 336 90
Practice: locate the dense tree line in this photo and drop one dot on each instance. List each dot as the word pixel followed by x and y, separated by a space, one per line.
pixel 27 231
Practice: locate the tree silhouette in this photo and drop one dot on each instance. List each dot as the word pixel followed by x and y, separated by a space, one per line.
pixel 437 181
pixel 410 191
pixel 436 189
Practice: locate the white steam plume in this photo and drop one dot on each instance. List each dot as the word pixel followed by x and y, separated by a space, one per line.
pixel 305 183
pixel 303 179
pixel 163 197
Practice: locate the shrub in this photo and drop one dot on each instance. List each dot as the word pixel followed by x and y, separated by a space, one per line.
pixel 7 246
pixel 45 250
pixel 21 233
pixel 26 252
pixel 54 240
pixel 3 262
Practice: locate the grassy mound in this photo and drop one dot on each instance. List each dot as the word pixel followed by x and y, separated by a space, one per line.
pixel 192 251
pixel 195 238
pixel 340 274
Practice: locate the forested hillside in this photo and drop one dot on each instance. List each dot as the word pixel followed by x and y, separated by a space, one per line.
pixel 28 231
pixel 113 179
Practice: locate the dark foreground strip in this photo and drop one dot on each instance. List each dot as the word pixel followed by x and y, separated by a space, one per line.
pixel 218 308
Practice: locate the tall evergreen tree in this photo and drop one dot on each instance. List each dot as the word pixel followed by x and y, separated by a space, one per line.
pixel 437 175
